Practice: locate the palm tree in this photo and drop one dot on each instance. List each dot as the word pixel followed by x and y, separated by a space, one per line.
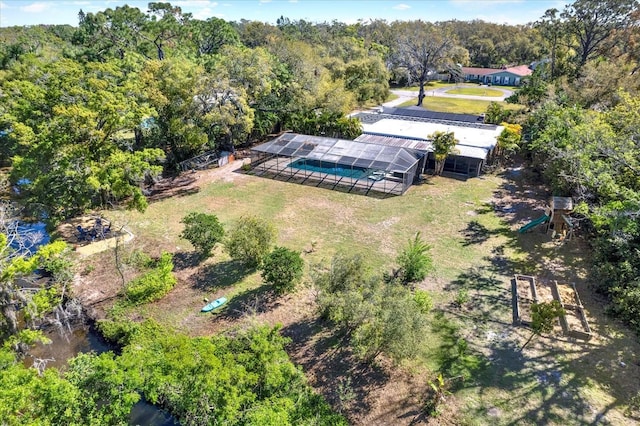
pixel 443 145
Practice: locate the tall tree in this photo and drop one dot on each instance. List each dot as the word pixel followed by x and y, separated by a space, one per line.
pixel 196 111
pixel 165 25
pixel 552 31
pixel 211 35
pixel 110 33
pixel 420 50
pixel 67 119
pixel 592 23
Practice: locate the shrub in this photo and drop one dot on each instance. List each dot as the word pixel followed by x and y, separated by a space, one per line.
pixel 415 262
pixel 462 297
pixel 139 259
pixel 120 331
pixel 376 316
pixel 282 268
pixel 423 300
pixel 543 316
pixel 250 240
pixel 153 284
pixel 203 231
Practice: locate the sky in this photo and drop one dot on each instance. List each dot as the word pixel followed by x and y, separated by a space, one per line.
pixel 19 12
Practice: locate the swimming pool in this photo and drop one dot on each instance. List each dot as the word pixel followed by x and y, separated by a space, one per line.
pixel 329 168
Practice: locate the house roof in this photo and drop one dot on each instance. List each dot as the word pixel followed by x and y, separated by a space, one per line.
pixel 562 203
pixel 520 70
pixel 479 71
pixel 421 113
pixel 476 136
pixel 421 145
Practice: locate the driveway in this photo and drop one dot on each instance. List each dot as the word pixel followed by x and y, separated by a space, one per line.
pixel 408 95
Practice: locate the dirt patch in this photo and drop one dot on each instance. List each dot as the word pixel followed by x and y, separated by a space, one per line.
pixel 525 288
pixel 545 294
pixel 573 319
pixel 568 295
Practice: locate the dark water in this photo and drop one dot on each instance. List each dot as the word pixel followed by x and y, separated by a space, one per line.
pixel 30 237
pixel 85 340
pixel 80 339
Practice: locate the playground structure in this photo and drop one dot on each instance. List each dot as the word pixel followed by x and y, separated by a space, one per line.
pixel 556 219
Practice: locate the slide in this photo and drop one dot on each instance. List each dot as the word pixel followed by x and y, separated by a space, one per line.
pixel 533 223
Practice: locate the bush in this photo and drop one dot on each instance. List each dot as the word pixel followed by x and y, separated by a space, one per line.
pixel 376 316
pixel 153 284
pixel 415 262
pixel 139 259
pixel 203 231
pixel 250 240
pixel 282 268
pixel 496 114
pixel 423 300
pixel 120 331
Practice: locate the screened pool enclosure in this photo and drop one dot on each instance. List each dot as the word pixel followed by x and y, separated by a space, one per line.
pixel 337 163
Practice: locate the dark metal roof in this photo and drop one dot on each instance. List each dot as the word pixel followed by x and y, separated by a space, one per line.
pixel 341 151
pixel 420 112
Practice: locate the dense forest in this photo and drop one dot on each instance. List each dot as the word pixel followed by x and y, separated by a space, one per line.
pixel 91 114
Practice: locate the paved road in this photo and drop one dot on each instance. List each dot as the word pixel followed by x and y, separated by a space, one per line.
pixel 408 95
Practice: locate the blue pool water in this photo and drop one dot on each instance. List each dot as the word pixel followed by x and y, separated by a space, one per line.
pixel 330 168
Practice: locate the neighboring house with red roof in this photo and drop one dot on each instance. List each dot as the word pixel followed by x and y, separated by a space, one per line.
pixel 508 76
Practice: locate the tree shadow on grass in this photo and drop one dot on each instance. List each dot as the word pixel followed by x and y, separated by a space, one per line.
pixel 186 259
pixel 178 186
pixel 547 379
pixel 477 233
pixel 252 302
pixel 553 380
pixel 540 383
pixel 328 359
pixel 220 275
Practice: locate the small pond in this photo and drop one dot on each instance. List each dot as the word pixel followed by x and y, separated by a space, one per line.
pixel 80 339
pixel 87 339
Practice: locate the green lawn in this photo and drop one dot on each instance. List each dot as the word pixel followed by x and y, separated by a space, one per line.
pixel 475 91
pixel 475 251
pixel 462 106
pixel 391 97
pixel 428 86
pixel 439 84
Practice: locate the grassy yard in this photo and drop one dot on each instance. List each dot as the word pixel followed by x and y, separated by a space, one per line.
pixel 391 97
pixel 463 106
pixel 471 227
pixel 475 91
pixel 439 84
